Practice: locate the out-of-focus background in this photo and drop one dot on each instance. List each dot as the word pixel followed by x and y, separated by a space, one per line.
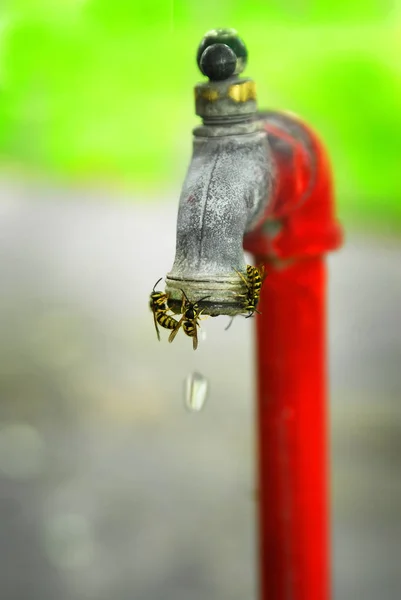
pixel 108 487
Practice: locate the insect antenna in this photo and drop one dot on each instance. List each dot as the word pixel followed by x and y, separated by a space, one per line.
pixel 158 281
pixel 186 297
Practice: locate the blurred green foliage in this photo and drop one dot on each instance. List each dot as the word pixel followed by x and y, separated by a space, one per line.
pixel 105 87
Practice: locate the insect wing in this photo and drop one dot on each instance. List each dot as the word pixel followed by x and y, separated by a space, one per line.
pixel 195 339
pixel 242 277
pixel 156 326
pixel 262 271
pixel 175 331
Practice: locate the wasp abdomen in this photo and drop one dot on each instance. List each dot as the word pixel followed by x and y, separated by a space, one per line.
pixel 189 328
pixel 165 320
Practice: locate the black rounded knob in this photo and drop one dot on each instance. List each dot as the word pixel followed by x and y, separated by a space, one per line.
pixel 218 62
pixel 227 37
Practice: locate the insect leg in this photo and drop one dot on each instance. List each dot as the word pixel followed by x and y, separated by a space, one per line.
pixel 229 325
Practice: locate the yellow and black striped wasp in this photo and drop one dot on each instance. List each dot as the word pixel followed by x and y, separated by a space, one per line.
pixel 159 308
pixel 253 281
pixel 189 320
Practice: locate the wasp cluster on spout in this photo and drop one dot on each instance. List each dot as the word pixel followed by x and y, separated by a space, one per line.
pixel 190 311
pixel 189 320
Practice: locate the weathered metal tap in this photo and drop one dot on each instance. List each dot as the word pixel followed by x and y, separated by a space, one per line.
pixel 229 181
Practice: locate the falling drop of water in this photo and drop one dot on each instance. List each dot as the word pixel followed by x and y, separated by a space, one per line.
pixel 196 390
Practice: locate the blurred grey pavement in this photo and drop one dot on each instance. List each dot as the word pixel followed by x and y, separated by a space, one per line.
pixel 109 488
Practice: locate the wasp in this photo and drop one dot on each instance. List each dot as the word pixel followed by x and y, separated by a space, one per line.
pixel 254 281
pixel 189 320
pixel 159 308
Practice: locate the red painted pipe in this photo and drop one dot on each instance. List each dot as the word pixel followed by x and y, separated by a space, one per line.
pixel 291 241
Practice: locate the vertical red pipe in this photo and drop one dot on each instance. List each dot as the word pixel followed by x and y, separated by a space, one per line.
pixel 292 434
pixel 291 359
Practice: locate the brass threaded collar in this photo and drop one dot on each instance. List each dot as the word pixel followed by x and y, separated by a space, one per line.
pixel 225 98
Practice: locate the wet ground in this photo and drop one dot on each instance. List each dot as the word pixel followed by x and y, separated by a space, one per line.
pixel 109 487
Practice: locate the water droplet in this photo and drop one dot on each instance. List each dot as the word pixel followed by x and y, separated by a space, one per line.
pixel 196 390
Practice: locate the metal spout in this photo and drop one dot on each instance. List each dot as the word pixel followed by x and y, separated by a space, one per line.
pixel 225 193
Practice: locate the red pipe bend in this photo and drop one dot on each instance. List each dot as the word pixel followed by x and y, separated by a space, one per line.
pixel 302 205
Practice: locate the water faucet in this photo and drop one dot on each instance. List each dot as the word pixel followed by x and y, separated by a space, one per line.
pixel 262 181
pixel 228 185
